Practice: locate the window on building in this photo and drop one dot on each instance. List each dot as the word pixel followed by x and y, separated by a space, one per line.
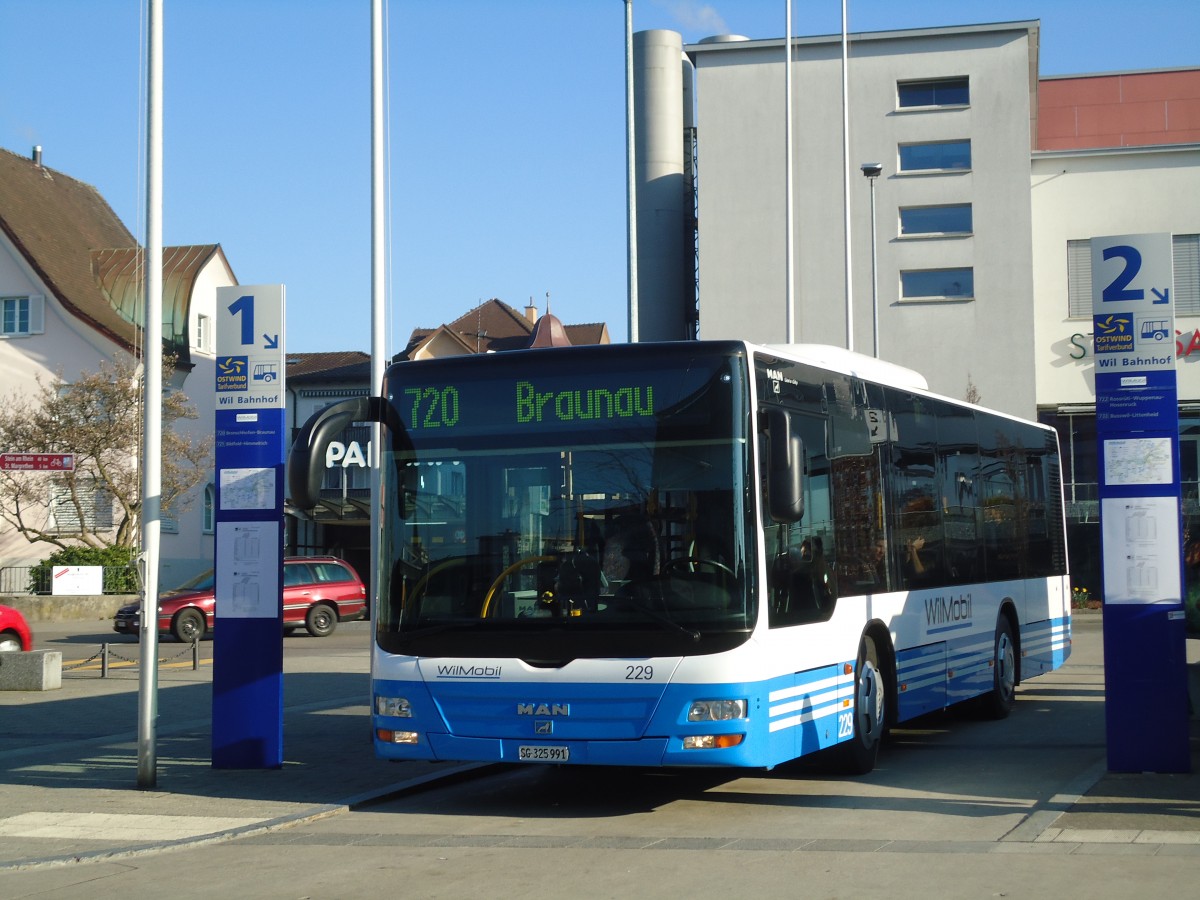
pixel 935 156
pixel 203 339
pixel 1185 250
pixel 88 502
pixel 949 219
pixel 21 315
pixel 933 92
pixel 1189 459
pixel 210 505
pixel 937 284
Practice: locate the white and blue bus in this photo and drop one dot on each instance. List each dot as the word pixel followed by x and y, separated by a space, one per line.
pixel 695 554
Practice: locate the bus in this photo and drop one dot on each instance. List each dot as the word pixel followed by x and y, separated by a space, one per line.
pixel 702 553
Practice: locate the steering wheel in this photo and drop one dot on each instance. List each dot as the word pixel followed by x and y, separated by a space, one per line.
pixel 690 565
pixel 519 564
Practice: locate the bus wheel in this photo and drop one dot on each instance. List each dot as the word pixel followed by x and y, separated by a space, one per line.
pixel 999 701
pixel 857 755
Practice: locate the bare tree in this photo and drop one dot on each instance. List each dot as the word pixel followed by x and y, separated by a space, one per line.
pixel 972 394
pixel 97 418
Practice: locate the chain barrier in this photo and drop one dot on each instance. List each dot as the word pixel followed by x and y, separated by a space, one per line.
pixel 106 654
pixel 79 664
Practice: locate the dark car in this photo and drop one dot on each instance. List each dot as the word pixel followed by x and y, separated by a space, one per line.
pixel 14 630
pixel 318 592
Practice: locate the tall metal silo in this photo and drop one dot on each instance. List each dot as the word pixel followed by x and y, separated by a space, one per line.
pixel 665 245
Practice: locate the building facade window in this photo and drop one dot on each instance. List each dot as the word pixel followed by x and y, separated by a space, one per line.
pixel 210 505
pixel 935 92
pixel 936 220
pixel 1078 450
pixel 89 502
pixel 937 284
pixel 1185 250
pixel 203 338
pixel 935 156
pixel 21 315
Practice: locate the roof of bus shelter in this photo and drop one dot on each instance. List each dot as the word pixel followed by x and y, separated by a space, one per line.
pixel 334 511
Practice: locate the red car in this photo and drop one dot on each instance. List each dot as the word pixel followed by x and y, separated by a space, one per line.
pixel 14 630
pixel 318 592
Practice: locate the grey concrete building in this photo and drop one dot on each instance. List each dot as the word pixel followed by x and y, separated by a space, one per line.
pixel 946 114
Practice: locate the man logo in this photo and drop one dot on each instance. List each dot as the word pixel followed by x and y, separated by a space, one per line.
pixel 543 709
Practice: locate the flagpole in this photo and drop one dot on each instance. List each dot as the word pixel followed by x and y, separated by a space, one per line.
pixel 789 200
pixel 378 279
pixel 846 178
pixel 630 182
pixel 147 776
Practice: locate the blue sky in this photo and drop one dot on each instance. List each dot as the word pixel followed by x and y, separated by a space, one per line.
pixel 506 131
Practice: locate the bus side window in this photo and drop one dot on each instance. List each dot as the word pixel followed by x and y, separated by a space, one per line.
pixel 801 580
pixel 916 500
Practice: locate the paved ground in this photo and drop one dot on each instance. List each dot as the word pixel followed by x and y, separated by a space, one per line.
pixel 68 769
pixel 69 758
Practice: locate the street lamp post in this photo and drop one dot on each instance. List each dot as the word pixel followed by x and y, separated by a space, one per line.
pixel 872 171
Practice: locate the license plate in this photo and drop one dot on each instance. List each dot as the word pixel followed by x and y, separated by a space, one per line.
pixel 543 753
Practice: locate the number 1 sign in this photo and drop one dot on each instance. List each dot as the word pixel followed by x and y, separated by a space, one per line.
pixel 249 434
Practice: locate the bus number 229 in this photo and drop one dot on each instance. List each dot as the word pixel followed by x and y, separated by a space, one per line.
pixel 845 725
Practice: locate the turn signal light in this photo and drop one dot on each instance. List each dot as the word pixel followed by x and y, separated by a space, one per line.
pixel 712 741
pixel 397 737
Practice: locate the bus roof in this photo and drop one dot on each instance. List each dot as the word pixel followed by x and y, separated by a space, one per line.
pixel 848 362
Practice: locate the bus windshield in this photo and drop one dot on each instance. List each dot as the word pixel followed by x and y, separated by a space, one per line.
pixel 552 510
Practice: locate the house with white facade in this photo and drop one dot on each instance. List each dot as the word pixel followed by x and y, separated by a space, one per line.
pixel 1117 153
pixel 70 298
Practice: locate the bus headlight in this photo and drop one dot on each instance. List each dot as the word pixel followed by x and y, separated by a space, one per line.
pixel 716 710
pixel 393 706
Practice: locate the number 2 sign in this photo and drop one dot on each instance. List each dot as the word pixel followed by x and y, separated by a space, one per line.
pixel 1131 272
pixel 1132 312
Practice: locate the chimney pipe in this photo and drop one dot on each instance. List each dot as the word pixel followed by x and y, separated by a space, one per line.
pixel 37 155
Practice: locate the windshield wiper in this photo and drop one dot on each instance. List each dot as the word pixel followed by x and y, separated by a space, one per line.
pixel 460 625
pixel 662 618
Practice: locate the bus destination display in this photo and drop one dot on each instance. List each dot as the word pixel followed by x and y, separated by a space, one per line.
pixel 475 406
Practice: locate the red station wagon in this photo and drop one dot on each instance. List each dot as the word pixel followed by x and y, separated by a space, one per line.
pixel 318 592
pixel 14 630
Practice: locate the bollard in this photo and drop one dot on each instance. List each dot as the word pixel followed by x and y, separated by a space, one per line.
pixel 195 655
pixel 34 670
pixel 104 660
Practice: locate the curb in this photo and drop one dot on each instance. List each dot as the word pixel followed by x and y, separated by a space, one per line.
pixel 323 811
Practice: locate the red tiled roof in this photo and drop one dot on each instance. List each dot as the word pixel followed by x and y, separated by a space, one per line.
pixel 87 258
pixel 339 366
pixel 496 326
pixel 55 222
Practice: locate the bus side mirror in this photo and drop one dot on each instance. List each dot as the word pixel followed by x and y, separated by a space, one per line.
pixel 785 476
pixel 307 456
pixel 306 459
